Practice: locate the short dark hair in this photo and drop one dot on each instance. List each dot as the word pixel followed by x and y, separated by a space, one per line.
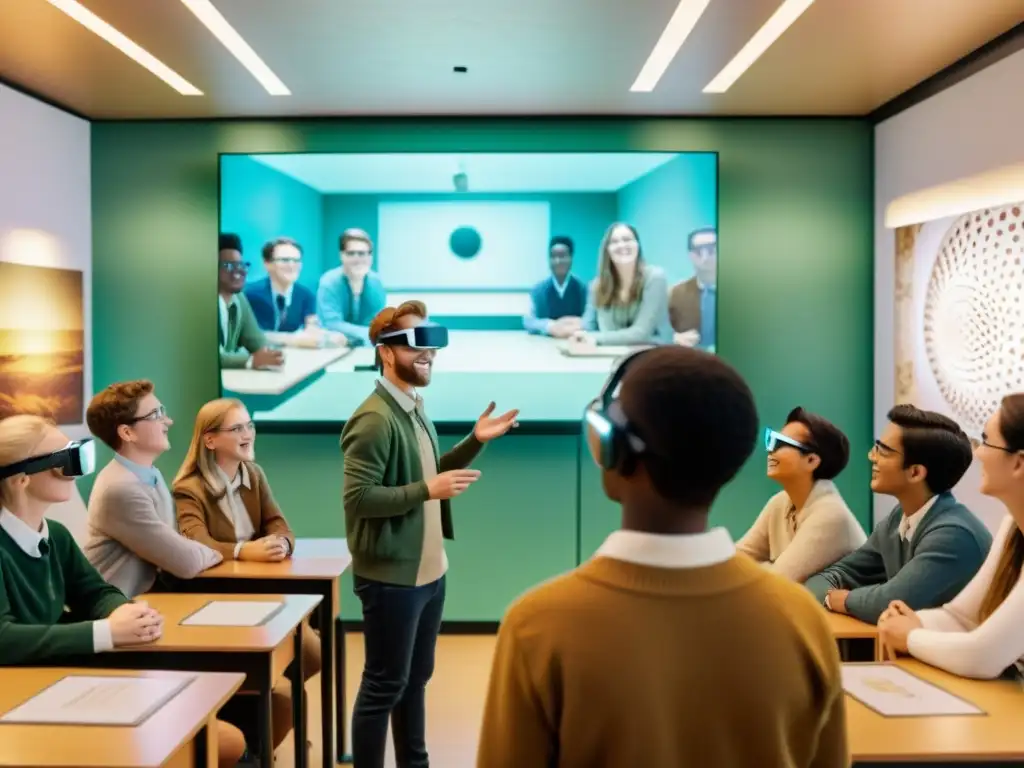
pixel 114 406
pixel 230 242
pixel 268 249
pixel 562 240
pixel 697 417
pixel 934 441
pixel 828 442
pixel 354 233
pixel 702 231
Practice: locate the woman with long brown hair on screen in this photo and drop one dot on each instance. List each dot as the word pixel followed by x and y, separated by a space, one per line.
pixel 223 500
pixel 980 632
pixel 628 302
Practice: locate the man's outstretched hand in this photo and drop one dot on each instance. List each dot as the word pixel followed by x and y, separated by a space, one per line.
pixel 489 427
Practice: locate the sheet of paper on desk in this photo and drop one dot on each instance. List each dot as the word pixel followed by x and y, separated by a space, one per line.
pixel 88 700
pixel 894 692
pixel 233 613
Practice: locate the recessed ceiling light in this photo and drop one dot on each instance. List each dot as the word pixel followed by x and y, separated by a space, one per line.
pixel 780 21
pixel 218 25
pixel 132 50
pixel 679 27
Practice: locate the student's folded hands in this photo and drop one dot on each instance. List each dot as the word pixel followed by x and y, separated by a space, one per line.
pixel 269 549
pixel 135 624
pixel 895 625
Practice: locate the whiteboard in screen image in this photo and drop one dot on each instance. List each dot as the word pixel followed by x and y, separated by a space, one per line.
pixel 414 245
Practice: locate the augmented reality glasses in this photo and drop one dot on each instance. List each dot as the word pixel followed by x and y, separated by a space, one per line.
pixel 76 459
pixel 608 432
pixel 426 336
pixel 774 440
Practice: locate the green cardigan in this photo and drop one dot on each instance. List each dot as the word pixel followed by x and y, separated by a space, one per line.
pixel 384 489
pixel 243 337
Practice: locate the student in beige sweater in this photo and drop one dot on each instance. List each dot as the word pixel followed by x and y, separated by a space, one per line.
pixel 667 649
pixel 806 526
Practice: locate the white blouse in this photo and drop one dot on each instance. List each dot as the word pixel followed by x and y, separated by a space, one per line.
pixel 953 640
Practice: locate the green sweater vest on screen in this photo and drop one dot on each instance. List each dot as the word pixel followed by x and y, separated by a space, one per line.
pixel 48 603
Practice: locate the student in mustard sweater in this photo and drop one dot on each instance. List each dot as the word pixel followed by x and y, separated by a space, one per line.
pixel 980 632
pixel 807 525
pixel 666 649
pixel 930 546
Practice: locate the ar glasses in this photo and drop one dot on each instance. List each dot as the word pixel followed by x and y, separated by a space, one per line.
pixel 426 336
pixel 76 459
pixel 609 436
pixel 774 440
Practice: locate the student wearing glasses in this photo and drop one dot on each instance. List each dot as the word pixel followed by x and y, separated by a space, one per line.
pixel 807 525
pixel 242 343
pixel 279 301
pixel 931 545
pixel 224 501
pixel 351 295
pixel 979 632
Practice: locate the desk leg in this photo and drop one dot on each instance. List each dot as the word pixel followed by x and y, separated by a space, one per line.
pixel 325 619
pixel 341 706
pixel 266 721
pixel 299 704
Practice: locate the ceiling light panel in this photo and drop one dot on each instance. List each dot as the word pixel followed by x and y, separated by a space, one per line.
pixel 679 27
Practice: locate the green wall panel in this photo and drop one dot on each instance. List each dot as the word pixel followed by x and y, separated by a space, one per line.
pixel 795 309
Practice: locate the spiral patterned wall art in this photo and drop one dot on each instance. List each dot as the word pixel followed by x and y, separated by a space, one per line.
pixel 974 313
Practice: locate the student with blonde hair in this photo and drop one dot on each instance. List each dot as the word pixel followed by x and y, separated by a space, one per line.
pixel 223 500
pixel 979 632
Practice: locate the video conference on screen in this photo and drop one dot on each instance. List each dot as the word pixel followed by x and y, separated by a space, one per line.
pixel 545 267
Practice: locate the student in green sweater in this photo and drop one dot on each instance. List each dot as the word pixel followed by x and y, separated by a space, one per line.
pixel 931 545
pixel 397 493
pixel 53 603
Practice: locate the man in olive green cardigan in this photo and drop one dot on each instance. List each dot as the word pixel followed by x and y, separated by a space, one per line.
pixel 397 515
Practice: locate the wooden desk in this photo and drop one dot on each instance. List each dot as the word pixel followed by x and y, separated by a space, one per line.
pixel 995 736
pixel 261 653
pixel 182 732
pixel 314 569
pixel 299 365
pixel 848 628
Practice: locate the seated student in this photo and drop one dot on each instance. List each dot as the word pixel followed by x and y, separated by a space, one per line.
pixel 53 603
pixel 242 343
pixel 628 301
pixel 279 301
pixel 931 545
pixel 691 303
pixel 223 499
pixel 350 296
pixel 979 633
pixel 557 302
pixel 807 525
pixel 133 526
pixel 637 657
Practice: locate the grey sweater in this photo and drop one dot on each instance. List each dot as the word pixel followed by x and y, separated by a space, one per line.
pixel 945 551
pixel 642 322
pixel 133 532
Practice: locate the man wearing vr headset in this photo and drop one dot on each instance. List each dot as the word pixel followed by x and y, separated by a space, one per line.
pixel 397 495
pixel 807 525
pixel 636 658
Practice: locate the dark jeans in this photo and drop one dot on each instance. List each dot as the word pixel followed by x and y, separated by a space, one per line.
pixel 400 626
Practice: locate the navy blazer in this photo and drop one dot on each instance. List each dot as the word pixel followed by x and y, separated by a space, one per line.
pixel 261 297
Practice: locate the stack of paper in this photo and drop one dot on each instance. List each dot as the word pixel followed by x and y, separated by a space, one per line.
pixel 233 613
pixel 894 692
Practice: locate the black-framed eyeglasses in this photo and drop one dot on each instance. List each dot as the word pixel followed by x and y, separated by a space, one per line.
pixel 1003 448
pixel 238 429
pixel 287 260
pixel 157 414
pixel 882 449
pixel 235 266
pixel 358 254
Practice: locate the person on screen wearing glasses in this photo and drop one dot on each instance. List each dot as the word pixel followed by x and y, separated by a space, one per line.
pixel 807 525
pixel 351 295
pixel 242 343
pixel 628 301
pixel 980 632
pixel 692 303
pixel 635 658
pixel 930 546
pixel 53 603
pixel 284 308
pixel 397 496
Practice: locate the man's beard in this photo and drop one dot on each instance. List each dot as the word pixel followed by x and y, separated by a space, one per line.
pixel 411 376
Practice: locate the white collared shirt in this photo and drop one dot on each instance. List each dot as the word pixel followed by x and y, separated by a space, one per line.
pixel 908 524
pixel 234 510
pixel 560 288
pixel 30 543
pixel 692 550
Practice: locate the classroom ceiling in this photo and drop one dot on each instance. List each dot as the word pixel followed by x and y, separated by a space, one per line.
pixel 410 173
pixel 528 57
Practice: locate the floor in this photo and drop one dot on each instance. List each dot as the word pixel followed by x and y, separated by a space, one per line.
pixel 455 701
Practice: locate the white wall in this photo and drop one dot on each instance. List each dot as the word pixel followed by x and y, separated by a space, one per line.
pixel 45 187
pixel 974 126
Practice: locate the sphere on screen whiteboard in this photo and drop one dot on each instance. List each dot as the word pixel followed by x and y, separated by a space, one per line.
pixel 465 242
pixel 974 313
